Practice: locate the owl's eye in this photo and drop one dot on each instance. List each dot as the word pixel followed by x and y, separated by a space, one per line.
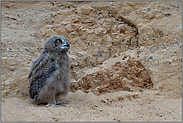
pixel 59 41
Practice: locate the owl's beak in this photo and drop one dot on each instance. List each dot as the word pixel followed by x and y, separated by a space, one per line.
pixel 66 46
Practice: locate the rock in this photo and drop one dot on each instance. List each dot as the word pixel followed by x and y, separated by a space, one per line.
pixel 10 17
pixel 86 10
pixel 100 30
pixel 10 5
pixel 109 39
pixel 11 68
pixel 75 21
pixel 167 13
pixel 151 57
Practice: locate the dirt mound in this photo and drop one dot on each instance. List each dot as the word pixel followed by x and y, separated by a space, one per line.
pixel 119 76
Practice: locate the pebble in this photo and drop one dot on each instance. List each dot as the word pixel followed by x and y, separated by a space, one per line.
pixel 151 57
pixel 100 30
pixel 167 13
pixel 11 68
pixel 7 49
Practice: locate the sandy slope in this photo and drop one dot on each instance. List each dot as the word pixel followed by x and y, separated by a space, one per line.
pixel 95 37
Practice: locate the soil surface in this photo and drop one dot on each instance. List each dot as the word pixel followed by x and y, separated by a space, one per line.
pixel 126 61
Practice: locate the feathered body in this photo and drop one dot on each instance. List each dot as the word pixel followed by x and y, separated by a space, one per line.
pixel 49 76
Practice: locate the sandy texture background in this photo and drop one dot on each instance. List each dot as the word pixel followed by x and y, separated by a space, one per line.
pixel 126 62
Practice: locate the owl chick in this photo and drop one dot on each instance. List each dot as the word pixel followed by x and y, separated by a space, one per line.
pixel 49 76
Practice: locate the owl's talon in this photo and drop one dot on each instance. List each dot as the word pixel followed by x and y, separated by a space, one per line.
pixel 48 105
pixel 65 102
pixel 61 103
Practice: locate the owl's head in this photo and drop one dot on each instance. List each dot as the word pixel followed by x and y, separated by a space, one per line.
pixel 56 44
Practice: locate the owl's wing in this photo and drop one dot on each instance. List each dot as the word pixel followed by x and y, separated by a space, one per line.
pixel 42 68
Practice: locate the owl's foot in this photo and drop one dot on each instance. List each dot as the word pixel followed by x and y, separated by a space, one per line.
pixel 48 105
pixel 61 103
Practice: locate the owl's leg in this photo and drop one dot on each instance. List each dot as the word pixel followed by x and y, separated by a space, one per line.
pixel 61 103
pixel 63 93
pixel 46 95
pixel 45 99
pixel 51 102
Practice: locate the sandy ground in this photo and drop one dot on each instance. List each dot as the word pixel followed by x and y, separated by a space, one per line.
pixel 96 36
pixel 88 107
